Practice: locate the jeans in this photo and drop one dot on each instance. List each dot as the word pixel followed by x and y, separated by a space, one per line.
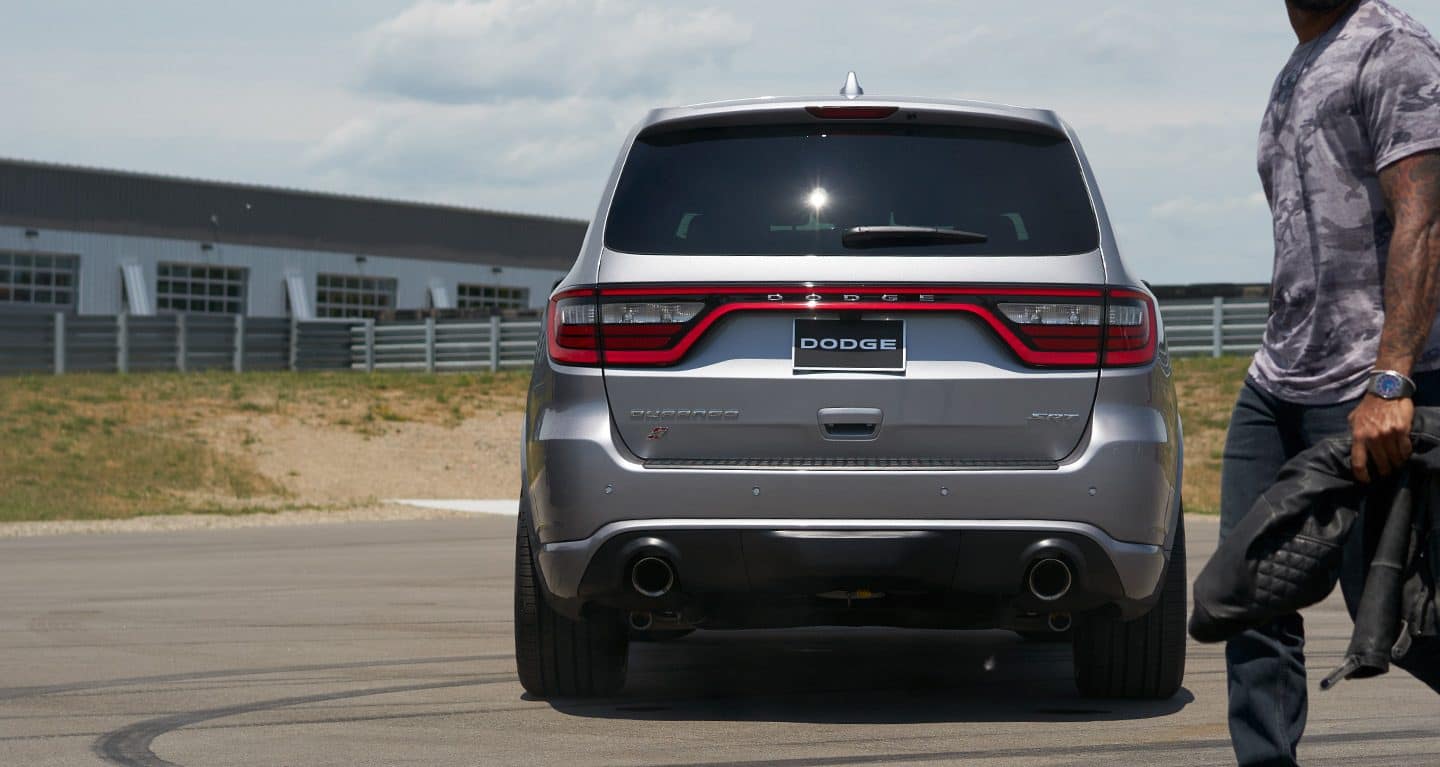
pixel 1265 668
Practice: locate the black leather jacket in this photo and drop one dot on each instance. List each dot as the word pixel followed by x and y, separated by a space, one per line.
pixel 1285 554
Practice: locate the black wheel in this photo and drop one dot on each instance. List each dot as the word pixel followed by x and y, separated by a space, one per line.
pixel 1143 658
pixel 555 656
pixel 663 635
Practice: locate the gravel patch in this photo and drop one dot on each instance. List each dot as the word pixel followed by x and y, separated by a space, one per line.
pixel 334 466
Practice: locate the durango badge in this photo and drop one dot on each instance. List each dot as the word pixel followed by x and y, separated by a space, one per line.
pixel 685 414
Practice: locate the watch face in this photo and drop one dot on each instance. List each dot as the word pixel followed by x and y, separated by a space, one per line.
pixel 1389 385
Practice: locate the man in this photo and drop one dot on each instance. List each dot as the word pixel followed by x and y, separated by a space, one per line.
pixel 1350 161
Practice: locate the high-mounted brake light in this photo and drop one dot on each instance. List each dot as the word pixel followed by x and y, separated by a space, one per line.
pixel 852 113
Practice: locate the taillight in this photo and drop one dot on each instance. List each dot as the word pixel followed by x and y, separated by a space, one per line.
pixel 629 331
pixel 1056 332
pixel 1071 333
pixel 644 327
pixel 570 328
pixel 1130 329
pixel 1044 327
pixel 650 313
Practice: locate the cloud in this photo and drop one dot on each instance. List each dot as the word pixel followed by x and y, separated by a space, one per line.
pixel 522 104
pixel 1224 238
pixel 1128 39
pixel 1212 212
pixel 514 97
pixel 520 143
pixel 464 52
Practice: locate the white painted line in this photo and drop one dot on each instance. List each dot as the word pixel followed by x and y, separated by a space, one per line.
pixel 508 508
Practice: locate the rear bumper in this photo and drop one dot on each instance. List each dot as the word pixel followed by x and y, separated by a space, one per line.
pixel 980 564
pixel 1122 479
pixel 1115 499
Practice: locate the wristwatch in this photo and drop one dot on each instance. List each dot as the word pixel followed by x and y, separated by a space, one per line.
pixel 1391 384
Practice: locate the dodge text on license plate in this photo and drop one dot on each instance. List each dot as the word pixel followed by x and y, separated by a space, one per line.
pixel 869 345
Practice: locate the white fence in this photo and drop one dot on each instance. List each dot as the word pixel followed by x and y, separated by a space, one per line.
pixel 438 346
pixel 61 343
pixel 43 343
pixel 31 342
pixel 1216 327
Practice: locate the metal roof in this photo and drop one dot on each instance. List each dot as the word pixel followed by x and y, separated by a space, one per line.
pixel 50 196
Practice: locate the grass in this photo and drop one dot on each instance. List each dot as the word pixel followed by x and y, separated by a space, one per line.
pixel 1207 389
pixel 108 446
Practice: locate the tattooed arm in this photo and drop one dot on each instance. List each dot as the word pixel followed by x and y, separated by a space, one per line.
pixel 1381 428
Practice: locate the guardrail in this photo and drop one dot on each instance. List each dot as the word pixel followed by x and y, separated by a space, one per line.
pixel 60 343
pixel 1215 328
pixel 437 346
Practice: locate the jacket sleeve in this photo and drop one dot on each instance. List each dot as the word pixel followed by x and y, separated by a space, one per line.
pixel 1285 553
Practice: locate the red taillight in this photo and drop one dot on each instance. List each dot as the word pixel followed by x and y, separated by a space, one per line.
pixel 1064 333
pixel 852 113
pixel 646 329
pixel 1130 329
pixel 642 330
pixel 1044 327
pixel 1058 331
pixel 570 328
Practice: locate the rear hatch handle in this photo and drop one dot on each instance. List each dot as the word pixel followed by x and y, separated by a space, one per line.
pixel 850 424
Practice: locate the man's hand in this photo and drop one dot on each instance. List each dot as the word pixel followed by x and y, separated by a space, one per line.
pixel 1381 429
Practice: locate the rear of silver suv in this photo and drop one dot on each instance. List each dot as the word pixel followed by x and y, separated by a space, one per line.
pixel 851 362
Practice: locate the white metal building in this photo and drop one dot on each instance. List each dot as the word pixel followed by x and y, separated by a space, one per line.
pixel 102 242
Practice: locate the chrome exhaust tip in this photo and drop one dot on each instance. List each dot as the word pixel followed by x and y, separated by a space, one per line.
pixel 1050 579
pixel 652 577
pixel 641 621
pixel 1059 622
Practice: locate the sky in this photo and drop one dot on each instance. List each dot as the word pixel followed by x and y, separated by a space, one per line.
pixel 522 105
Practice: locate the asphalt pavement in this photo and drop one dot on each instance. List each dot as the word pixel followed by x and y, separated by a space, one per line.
pixel 390 644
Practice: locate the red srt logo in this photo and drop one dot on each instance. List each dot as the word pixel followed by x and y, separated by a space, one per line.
pixel 659 432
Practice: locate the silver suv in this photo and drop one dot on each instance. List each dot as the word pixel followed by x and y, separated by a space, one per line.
pixel 851 361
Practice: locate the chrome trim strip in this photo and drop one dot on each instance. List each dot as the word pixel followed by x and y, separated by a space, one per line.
pixel 860 465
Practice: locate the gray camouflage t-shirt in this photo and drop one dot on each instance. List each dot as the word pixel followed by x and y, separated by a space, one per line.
pixel 1361 97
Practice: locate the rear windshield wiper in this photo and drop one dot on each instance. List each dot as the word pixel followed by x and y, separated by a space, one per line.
pixel 899 236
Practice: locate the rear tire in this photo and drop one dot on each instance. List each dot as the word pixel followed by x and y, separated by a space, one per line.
pixel 557 657
pixel 1143 658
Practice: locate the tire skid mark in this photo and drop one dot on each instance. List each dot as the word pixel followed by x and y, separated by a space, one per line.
pixel 130 745
pixel 302 722
pixel 12 693
pixel 1151 747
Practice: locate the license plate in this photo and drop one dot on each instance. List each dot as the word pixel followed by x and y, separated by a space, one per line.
pixel 869 345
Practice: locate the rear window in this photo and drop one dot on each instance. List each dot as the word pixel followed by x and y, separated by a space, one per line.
pixel 784 190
